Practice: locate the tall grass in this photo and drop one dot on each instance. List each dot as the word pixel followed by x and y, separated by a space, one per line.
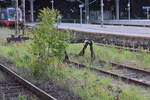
pixel 136 59
pixel 84 83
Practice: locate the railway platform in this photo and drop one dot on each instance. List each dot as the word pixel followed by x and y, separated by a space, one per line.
pixel 131 31
pixel 127 36
pixel 120 35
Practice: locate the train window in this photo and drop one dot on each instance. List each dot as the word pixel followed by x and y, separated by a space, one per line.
pixel 12 14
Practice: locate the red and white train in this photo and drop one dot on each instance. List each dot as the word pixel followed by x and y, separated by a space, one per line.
pixel 8 16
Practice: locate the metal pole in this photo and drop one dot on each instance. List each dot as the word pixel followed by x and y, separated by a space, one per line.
pixel 81 6
pixel 17 17
pixel 102 13
pixel 23 16
pixel 52 4
pixel 117 9
pixel 81 15
pixel 148 16
pixel 87 11
pixel 32 10
pixel 129 9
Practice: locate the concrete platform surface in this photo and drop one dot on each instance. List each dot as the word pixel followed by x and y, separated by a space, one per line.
pixel 31 24
pixel 127 22
pixel 132 31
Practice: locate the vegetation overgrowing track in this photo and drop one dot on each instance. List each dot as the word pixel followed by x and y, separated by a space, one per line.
pixel 24 83
pixel 126 73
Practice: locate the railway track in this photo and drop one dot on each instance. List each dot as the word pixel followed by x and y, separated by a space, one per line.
pixel 124 72
pixel 12 90
pixel 15 86
pixel 122 47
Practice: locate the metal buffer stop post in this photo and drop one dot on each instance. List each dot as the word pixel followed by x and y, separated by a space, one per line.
pixel 86 43
pixel 82 52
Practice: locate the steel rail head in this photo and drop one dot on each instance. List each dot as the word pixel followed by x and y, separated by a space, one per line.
pixel 130 68
pixel 39 93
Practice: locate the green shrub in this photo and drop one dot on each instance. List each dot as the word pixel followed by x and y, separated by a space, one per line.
pixel 48 44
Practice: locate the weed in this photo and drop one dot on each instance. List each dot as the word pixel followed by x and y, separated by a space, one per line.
pixel 22 97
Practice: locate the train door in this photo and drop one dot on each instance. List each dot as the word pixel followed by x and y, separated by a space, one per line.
pixel 20 15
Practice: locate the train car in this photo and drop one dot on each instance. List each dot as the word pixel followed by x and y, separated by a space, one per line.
pixel 8 16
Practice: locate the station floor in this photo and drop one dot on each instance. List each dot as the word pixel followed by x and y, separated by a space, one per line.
pixel 133 31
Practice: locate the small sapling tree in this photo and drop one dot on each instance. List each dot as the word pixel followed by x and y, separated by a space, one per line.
pixel 48 43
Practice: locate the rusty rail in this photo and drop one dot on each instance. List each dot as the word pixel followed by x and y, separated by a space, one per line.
pixel 37 91
pixel 131 68
pixel 113 74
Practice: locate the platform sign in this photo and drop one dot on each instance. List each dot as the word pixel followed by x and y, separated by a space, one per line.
pixel 81 5
pixel 146 7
